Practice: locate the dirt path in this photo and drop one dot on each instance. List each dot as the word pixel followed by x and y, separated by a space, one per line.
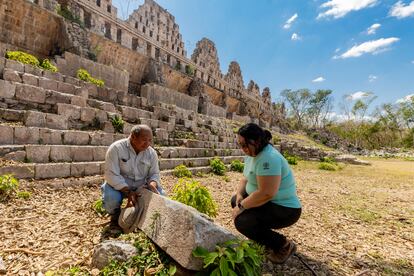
pixel 358 221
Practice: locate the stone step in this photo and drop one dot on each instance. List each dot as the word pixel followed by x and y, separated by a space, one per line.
pixel 171 163
pixel 191 143
pixel 183 152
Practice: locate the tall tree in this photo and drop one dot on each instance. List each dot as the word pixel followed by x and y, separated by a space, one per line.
pixel 320 105
pixel 298 101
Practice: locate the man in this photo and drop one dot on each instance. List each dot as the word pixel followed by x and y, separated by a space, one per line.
pixel 130 165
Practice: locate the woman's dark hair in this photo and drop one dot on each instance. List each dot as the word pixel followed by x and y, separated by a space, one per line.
pixel 255 135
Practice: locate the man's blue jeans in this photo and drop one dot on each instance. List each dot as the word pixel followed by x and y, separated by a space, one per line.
pixel 112 199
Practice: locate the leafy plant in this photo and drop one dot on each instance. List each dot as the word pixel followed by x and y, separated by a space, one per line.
pixel 192 193
pixel 327 159
pixel 276 139
pixel 23 57
pixel 237 166
pixel 48 66
pixel 217 166
pixel 24 194
pixel 148 261
pixel 226 178
pixel 328 166
pixel 117 123
pixel 67 14
pixel 84 75
pixel 234 257
pixel 182 171
pixel 98 207
pixel 189 70
pixel 291 159
pixel 8 186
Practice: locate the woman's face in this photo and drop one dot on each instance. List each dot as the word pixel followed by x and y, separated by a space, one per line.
pixel 247 148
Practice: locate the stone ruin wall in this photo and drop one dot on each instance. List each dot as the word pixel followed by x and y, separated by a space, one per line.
pixel 130 46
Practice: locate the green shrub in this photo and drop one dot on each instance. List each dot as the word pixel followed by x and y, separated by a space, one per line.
pixel 84 75
pixel 327 159
pixel 233 257
pixel 217 166
pixel 291 159
pixel 276 140
pixel 189 70
pixel 8 187
pixel 98 207
pixel 192 193
pixel 182 171
pixel 117 123
pixel 328 166
pixel 237 166
pixel 24 194
pixel 48 66
pixel 67 14
pixel 23 57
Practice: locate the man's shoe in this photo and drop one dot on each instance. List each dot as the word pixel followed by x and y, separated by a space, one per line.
pixel 282 255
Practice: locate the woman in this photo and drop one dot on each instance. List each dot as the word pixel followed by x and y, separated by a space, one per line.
pixel 266 197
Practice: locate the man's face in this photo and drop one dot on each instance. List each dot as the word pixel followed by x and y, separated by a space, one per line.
pixel 142 141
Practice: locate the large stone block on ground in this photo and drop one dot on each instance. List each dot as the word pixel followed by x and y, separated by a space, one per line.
pixel 112 250
pixel 6 137
pixel 81 154
pixel 30 93
pixel 178 229
pixel 38 154
pixel 7 89
pixel 60 154
pixel 23 171
pixel 44 171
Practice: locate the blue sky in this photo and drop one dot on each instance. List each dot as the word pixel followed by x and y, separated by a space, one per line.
pixel 327 45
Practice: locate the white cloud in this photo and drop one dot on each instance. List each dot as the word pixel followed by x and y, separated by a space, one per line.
pixel 373 29
pixel 406 99
pixel 343 118
pixel 290 21
pixel 358 95
pixel 412 61
pixel 373 46
pixel 320 79
pixel 400 10
pixel 295 36
pixel 372 78
pixel 339 8
pixel 337 50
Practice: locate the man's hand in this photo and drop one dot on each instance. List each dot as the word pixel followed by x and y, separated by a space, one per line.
pixel 153 187
pixel 131 195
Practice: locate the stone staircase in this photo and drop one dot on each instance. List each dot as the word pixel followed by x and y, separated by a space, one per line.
pixel 56 126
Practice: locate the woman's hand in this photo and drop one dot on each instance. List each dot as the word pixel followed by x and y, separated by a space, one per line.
pixel 239 198
pixel 236 212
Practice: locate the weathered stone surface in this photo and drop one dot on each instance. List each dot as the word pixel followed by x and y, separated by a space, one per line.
pixel 3 269
pixel 48 84
pixel 60 154
pixel 71 80
pixel 81 154
pixel 21 172
pixel 93 168
pixel 101 115
pixel 87 114
pixel 99 153
pixel 351 159
pixel 38 154
pixel 11 75
pixel 76 138
pixel 107 127
pixel 44 171
pixel 50 136
pixel 14 65
pixel 30 79
pixel 53 76
pixel 7 89
pixel 2 64
pixel 69 111
pixel 19 155
pixel 6 137
pixel 30 93
pixel 26 135
pixel 56 121
pixel 101 139
pixel 191 229
pixel 12 115
pixel 66 88
pixel 112 250
pixel 53 97
pixel 33 70
pixel 78 101
pixel 35 119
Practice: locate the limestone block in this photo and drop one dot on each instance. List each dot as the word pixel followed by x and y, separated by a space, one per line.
pixel 101 139
pixel 50 136
pixel 30 79
pixel 26 135
pixel 53 76
pixel 161 134
pixel 92 89
pixel 7 89
pixel 30 93
pixel 48 84
pixel 3 269
pixel 69 111
pixel 19 156
pixel 82 92
pixel 14 65
pixel 101 115
pixel 29 69
pixel 54 97
pixel 43 171
pixel 71 80
pixel 78 101
pixel 129 113
pixel 81 154
pixel 66 88
pixel 60 154
pixel 191 229
pixel 87 114
pixel 127 128
pixel 35 119
pixel 93 168
pixel 77 169
pixel 20 172
pixel 56 121
pixel 76 138
pixel 38 154
pixel 6 137
pixel 2 64
pixel 112 250
pixel 99 153
pixel 107 127
pixel 11 75
pixel 12 115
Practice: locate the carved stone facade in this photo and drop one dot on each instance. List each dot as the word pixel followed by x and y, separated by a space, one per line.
pixel 234 76
pixel 205 56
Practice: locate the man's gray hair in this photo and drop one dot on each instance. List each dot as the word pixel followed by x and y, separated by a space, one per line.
pixel 136 130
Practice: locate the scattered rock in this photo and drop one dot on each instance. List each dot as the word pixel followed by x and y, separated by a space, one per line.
pixel 112 250
pixel 3 269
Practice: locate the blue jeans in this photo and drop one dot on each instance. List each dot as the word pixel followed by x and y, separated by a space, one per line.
pixel 112 199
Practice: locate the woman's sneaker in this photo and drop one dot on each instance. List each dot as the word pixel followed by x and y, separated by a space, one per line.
pixel 282 255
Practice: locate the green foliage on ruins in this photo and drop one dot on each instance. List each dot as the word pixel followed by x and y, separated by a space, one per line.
pixel 48 66
pixel 182 171
pixel 117 123
pixel 217 166
pixel 26 58
pixel 192 193
pixel 84 75
pixel 234 257
pixel 237 166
